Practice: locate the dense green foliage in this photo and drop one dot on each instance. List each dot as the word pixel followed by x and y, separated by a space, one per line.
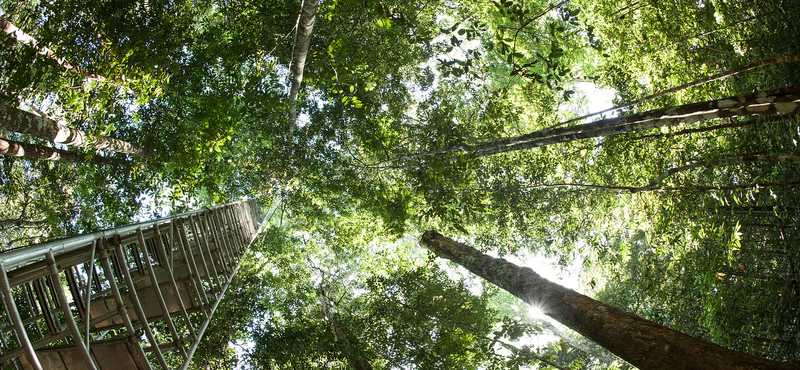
pixel 710 251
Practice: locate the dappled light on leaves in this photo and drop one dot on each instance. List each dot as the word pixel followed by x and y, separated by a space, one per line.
pixel 469 117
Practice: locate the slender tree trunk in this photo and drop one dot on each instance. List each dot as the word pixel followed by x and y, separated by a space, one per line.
pixel 19 222
pixel 783 101
pixel 18 36
pixel 327 311
pixel 23 122
pixel 25 150
pixel 709 128
pixel 305 26
pixel 718 76
pixel 644 344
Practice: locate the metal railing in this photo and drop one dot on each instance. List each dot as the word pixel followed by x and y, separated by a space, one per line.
pixel 135 297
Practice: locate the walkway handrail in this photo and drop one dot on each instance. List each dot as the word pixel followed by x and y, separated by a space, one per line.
pixel 38 252
pixel 159 282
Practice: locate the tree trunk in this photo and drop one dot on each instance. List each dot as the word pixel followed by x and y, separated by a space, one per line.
pixel 305 26
pixel 718 76
pixel 25 150
pixel 23 122
pixel 644 344
pixel 18 36
pixel 783 101
pixel 327 312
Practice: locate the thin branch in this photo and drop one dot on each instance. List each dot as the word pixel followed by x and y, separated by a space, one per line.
pixel 540 15
pixel 718 162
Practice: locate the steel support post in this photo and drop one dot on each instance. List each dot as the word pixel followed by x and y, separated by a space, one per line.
pixel 20 333
pixel 137 305
pixel 174 284
pixel 157 287
pixel 62 301
pixel 121 308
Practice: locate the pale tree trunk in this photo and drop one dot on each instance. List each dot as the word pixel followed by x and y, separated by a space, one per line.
pixel 18 36
pixel 328 313
pixel 35 151
pixel 642 343
pixel 305 25
pixel 782 102
pixel 718 76
pixel 23 122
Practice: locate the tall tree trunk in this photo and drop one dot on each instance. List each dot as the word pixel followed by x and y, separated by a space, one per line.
pixel 783 101
pixel 23 122
pixel 25 150
pixel 305 26
pixel 18 36
pixel 718 76
pixel 644 344
pixel 327 311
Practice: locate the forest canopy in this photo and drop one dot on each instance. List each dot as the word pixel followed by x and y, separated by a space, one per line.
pixel 359 125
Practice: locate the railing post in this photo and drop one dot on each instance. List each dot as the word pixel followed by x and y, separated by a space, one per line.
pixel 62 301
pixel 120 303
pixel 20 333
pixel 191 266
pixel 157 287
pixel 197 229
pixel 220 255
pixel 174 284
pixel 134 296
pixel 222 245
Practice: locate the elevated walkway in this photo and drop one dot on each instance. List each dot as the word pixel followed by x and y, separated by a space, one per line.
pixel 134 297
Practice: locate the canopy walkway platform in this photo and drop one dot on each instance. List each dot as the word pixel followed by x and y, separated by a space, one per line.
pixel 134 297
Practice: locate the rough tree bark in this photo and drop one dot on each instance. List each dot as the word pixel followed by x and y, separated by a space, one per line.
pixel 23 122
pixel 305 26
pixel 644 344
pixel 783 101
pixel 25 150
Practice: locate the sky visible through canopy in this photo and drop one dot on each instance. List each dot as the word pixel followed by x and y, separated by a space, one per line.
pixel 454 116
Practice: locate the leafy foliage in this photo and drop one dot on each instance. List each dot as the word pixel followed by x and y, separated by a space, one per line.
pixel 710 251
